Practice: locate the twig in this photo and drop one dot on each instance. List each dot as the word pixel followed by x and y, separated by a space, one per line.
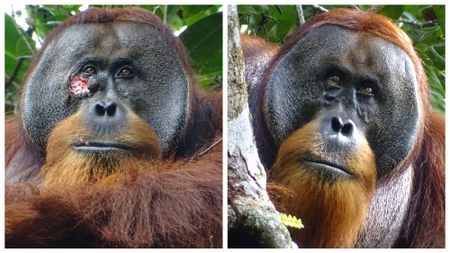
pixel 375 8
pixel 16 71
pixel 301 16
pixel 165 7
pixel 320 8
pixel 9 103
pixel 16 85
pixel 210 147
pixel 20 31
pixel 417 23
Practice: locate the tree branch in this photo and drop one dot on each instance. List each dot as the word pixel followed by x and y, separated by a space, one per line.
pixel 301 16
pixel 417 23
pixel 320 8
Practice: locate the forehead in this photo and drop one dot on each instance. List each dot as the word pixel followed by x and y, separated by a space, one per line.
pixel 120 37
pixel 360 50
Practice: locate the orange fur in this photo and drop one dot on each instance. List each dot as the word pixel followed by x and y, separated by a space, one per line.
pixel 149 204
pixel 332 210
pixel 135 200
pixel 64 166
pixel 257 49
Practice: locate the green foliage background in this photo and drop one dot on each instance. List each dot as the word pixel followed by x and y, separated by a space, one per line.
pixel 202 38
pixel 425 24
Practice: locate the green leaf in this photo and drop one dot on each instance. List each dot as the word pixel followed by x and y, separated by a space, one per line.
pixel 247 10
pixel 434 82
pixel 439 10
pixel 15 48
pixel 204 43
pixel 437 88
pixel 17 58
pixel 437 102
pixel 413 12
pixel 172 17
pixel 193 13
pixel 437 59
pixel 286 20
pixel 392 11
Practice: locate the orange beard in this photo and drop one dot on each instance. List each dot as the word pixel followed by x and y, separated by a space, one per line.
pixel 66 167
pixel 332 209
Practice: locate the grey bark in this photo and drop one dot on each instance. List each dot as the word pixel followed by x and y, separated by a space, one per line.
pixel 252 218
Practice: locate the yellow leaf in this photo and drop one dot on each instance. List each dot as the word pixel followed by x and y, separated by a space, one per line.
pixel 291 221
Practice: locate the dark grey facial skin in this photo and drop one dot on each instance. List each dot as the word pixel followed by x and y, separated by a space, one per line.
pixel 157 90
pixel 299 89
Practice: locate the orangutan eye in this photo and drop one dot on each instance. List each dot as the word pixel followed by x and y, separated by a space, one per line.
pixel 125 72
pixel 89 69
pixel 334 81
pixel 367 89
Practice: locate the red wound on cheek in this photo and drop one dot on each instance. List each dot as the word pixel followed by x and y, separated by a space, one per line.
pixel 79 85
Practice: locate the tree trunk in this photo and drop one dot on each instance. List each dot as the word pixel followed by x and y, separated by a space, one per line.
pixel 252 218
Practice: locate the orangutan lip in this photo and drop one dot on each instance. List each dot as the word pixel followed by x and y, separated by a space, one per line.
pixel 328 166
pixel 97 146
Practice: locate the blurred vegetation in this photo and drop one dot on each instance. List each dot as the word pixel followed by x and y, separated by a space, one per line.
pixel 202 36
pixel 425 25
